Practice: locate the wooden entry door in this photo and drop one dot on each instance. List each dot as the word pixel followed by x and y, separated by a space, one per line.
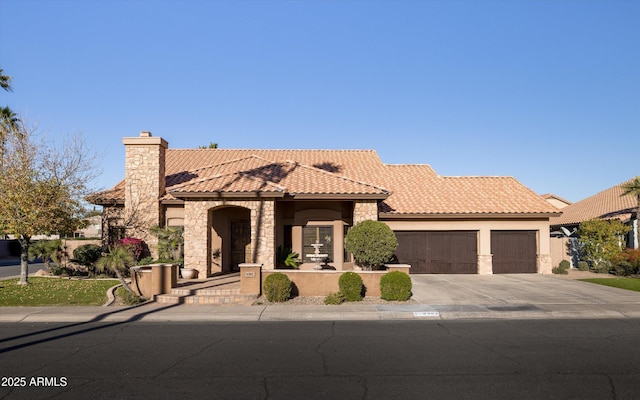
pixel 240 243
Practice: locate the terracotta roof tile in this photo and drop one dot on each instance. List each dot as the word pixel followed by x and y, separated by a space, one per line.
pixel 433 194
pixel 411 189
pixel 254 174
pixel 607 204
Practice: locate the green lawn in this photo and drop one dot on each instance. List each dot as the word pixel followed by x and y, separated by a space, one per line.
pixel 55 292
pixel 622 283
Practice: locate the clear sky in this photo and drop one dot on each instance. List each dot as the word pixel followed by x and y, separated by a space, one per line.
pixel 545 91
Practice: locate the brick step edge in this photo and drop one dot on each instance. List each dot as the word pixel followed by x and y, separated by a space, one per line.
pixel 205 292
pixel 196 299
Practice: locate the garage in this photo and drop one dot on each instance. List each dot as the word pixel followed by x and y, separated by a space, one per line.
pixel 438 252
pixel 514 252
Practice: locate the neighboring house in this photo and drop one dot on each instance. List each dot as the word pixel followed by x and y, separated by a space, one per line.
pixel 239 206
pixel 608 204
pixel 556 201
pixel 92 230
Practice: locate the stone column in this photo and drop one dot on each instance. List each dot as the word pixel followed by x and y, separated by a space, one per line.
pixel 485 258
pixel 364 210
pixel 196 236
pixel 144 185
pixel 263 232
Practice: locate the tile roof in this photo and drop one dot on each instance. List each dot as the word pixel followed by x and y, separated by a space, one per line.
pixel 254 174
pixel 432 194
pixel 410 189
pixel 607 204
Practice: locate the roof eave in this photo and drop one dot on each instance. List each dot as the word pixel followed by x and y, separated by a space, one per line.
pixel 248 195
pixel 392 216
pixel 338 196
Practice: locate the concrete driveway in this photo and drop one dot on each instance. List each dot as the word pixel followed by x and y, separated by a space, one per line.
pixel 524 293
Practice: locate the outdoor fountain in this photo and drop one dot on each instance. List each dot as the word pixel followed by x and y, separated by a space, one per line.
pixel 317 257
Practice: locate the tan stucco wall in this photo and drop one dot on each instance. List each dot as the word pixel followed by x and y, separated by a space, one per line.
pixel 321 283
pixel 484 228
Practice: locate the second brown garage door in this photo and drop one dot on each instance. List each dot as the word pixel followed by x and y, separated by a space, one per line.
pixel 513 252
pixel 438 252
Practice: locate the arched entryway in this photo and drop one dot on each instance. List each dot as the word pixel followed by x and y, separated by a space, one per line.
pixel 229 238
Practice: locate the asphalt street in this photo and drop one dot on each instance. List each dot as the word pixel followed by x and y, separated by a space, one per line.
pixel 514 359
pixel 10 267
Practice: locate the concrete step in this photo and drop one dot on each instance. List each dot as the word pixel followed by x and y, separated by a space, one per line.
pixel 195 299
pixel 210 291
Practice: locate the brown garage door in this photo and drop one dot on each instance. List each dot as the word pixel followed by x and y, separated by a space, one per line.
pixel 513 251
pixel 438 252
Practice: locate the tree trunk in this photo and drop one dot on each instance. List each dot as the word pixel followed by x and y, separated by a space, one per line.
pixel 24 259
pixel 124 283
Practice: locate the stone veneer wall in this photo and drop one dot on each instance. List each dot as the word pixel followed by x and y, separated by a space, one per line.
pixel 364 210
pixel 197 226
pixel 144 184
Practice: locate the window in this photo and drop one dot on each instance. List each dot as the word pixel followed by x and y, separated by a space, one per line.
pixel 317 234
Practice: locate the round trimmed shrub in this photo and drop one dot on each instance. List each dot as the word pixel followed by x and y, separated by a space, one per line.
pixel 277 287
pixel 372 243
pixel 583 266
pixel 87 254
pixel 350 285
pixel 395 285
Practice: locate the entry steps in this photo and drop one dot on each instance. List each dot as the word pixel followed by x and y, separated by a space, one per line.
pixel 218 290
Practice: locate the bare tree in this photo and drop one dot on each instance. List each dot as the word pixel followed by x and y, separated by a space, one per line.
pixel 41 187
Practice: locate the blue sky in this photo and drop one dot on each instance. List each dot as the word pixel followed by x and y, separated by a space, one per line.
pixel 545 91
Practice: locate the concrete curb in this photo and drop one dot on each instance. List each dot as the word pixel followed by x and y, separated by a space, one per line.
pixel 111 295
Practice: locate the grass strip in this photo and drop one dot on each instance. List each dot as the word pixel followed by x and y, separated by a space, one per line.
pixel 622 283
pixel 55 292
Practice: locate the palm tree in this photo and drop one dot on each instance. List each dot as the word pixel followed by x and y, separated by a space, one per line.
pixel 632 188
pixel 5 81
pixel 170 241
pixel 47 250
pixel 118 260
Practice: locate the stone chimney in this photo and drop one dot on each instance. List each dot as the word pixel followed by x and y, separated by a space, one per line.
pixel 144 184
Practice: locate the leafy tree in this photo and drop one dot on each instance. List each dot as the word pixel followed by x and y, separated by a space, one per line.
pixel 41 187
pixel 170 241
pixel 47 250
pixel 372 243
pixel 118 260
pixel 211 145
pixel 600 240
pixel 632 188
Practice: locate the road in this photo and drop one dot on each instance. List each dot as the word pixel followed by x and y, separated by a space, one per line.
pixel 515 359
pixel 10 267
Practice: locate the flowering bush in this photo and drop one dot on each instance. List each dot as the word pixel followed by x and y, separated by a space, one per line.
pixel 135 246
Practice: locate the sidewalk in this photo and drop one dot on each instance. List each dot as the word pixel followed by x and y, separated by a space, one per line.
pixel 438 297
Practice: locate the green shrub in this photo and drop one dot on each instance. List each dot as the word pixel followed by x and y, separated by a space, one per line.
pixel 562 268
pixel 395 285
pixel 350 285
pixel 583 266
pixel 277 287
pixel 334 299
pixel 372 243
pixel 603 268
pixel 625 268
pixel 128 298
pixel 87 254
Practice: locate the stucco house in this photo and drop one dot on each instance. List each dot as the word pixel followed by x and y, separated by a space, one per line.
pixel 240 205
pixel 607 204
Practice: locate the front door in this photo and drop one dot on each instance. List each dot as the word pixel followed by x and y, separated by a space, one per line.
pixel 240 243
